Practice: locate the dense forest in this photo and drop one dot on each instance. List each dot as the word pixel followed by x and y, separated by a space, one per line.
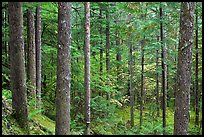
pixel 101 68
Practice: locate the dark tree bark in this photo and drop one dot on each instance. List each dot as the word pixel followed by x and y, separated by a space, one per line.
pixel 31 57
pixel 38 55
pixel 157 79
pixel 63 68
pixel 142 82
pixel 18 75
pixel 197 94
pixel 107 45
pixel 182 104
pixel 87 66
pixel 164 67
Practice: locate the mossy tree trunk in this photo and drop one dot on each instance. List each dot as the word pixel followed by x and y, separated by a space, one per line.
pixel 182 104
pixel 18 75
pixel 63 69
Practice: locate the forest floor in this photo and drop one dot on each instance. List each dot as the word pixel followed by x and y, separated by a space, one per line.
pixel 112 124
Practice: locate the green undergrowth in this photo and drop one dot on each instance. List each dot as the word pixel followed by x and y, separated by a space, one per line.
pixel 119 123
pixel 116 121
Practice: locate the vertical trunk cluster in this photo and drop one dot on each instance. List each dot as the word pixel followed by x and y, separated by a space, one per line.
pixel 87 66
pixel 63 69
pixel 38 55
pixel 31 57
pixel 18 75
pixel 182 100
pixel 164 66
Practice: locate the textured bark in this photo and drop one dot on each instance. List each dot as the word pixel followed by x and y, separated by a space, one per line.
pixel 18 75
pixel 182 104
pixel 164 66
pixel 197 94
pixel 157 79
pixel 107 45
pixel 63 69
pixel 31 57
pixel 87 66
pixel 38 55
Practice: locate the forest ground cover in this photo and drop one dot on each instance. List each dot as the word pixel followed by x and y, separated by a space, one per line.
pixel 115 122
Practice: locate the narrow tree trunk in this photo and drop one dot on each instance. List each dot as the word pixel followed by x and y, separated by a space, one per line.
pixel 87 66
pixel 118 55
pixel 164 67
pixel 38 55
pixel 31 58
pixel 63 68
pixel 142 82
pixel 196 72
pixel 101 46
pixel 107 45
pixel 130 75
pixel 182 104
pixel 157 79
pixel 17 67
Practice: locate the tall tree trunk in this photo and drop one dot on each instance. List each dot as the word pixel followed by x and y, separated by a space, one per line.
pixel 87 66
pixel 164 67
pixel 38 55
pixel 142 82
pixel 63 68
pixel 197 94
pixel 31 58
pixel 157 79
pixel 101 45
pixel 118 55
pixel 17 67
pixel 182 104
pixel 130 74
pixel 107 45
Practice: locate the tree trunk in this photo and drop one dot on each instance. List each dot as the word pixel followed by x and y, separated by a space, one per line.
pixel 164 67
pixel 38 55
pixel 101 47
pixel 196 72
pixel 107 46
pixel 142 82
pixel 157 79
pixel 31 58
pixel 87 66
pixel 182 104
pixel 17 69
pixel 118 55
pixel 130 75
pixel 63 68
